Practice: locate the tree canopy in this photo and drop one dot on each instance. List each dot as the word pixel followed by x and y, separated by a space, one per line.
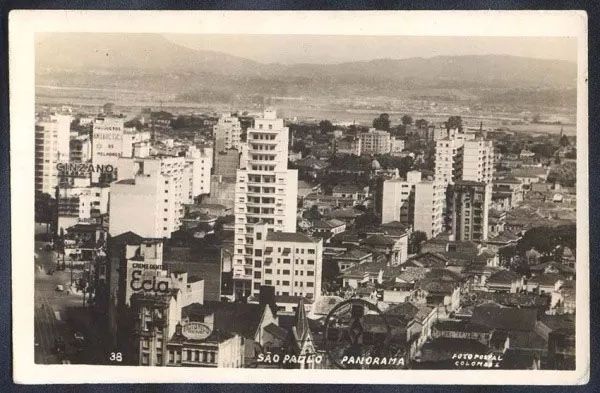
pixel 326 126
pixel 454 122
pixel 421 123
pixel 382 122
pixel 407 120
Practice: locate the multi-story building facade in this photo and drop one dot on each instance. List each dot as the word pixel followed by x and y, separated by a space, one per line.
pixel 265 193
pixel 430 196
pixel 149 204
pixel 51 148
pixel 131 138
pixel 199 163
pixel 508 187
pixel 415 202
pixel 348 146
pixel 107 140
pixel 398 198
pixel 290 262
pixel 81 204
pixel 227 133
pixel 478 160
pixel 448 160
pixel 470 210
pixel 80 149
pixel 375 142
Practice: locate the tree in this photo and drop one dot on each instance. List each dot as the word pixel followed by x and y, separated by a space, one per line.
pixel 312 214
pixel 565 174
pixel 382 122
pixel 454 122
pixel 415 241
pixel 543 239
pixel 407 120
pixel 543 150
pixel 326 126
pixel 45 208
pixel 421 123
pixel 564 141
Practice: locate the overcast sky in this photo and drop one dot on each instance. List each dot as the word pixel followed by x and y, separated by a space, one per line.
pixel 289 49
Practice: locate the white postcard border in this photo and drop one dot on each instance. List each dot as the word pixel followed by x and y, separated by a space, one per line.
pixel 23 24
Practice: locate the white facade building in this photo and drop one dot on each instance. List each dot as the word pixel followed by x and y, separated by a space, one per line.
pixel 265 192
pixel 478 161
pixel 448 160
pixel 290 262
pixel 415 202
pixel 81 204
pixel 227 133
pixel 430 197
pixel 398 198
pixel 375 142
pixel 51 147
pixel 199 162
pixel 148 204
pixel 132 137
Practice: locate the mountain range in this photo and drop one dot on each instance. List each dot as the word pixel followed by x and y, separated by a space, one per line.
pixel 135 59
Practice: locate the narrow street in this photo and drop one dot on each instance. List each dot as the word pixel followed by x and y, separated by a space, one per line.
pixel 54 314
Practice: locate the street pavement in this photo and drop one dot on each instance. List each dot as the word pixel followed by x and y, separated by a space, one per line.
pixel 52 310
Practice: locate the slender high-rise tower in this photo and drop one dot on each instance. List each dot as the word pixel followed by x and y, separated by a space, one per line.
pixel 265 194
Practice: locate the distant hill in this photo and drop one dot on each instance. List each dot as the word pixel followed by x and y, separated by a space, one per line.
pixel 149 53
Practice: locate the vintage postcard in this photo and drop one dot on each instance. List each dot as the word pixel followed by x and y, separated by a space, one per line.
pixel 316 197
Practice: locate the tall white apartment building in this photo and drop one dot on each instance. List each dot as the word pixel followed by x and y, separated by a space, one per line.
pixel 265 193
pixel 199 162
pixel 448 160
pixel 375 142
pixel 227 133
pixel 478 161
pixel 148 205
pixel 107 140
pixel 470 210
pixel 398 198
pixel 51 147
pixel 430 197
pixel 415 202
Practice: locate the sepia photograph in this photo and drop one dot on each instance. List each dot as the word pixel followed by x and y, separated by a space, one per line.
pixel 305 200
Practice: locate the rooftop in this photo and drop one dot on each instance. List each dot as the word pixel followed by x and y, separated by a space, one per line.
pixel 241 318
pixel 289 237
pixel 505 318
